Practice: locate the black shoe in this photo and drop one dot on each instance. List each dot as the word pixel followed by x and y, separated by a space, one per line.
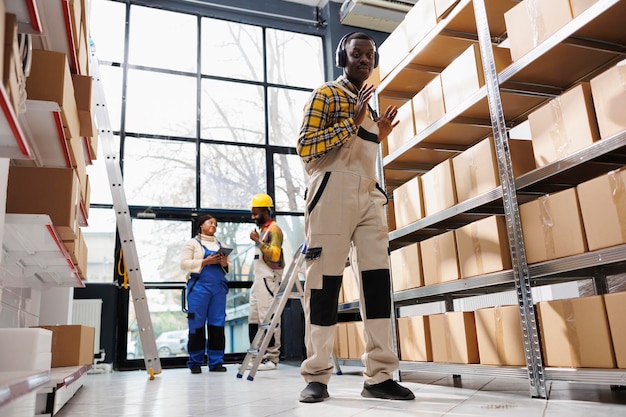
pixel 195 369
pixel 218 368
pixel 315 392
pixel 389 390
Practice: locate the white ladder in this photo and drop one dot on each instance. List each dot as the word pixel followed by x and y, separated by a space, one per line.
pixel 124 227
pixel 290 288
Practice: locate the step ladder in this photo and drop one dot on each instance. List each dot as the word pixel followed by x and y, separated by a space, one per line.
pixel 124 226
pixel 290 288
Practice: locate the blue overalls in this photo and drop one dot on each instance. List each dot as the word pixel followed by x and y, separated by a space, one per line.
pixel 206 304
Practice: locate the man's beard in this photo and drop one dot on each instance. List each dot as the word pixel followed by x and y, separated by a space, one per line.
pixel 260 221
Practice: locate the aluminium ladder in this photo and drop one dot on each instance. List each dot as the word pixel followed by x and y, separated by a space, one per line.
pixel 124 227
pixel 290 288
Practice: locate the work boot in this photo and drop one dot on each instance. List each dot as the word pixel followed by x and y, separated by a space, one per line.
pixel 267 365
pixel 388 390
pixel 315 392
pixel 218 368
pixel 195 369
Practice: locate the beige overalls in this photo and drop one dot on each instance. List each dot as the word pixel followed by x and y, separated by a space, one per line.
pixel 345 216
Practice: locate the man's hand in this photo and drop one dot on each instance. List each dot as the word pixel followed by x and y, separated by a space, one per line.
pixel 254 236
pixel 386 122
pixel 364 95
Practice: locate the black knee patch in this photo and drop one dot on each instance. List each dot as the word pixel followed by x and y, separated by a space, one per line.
pixel 197 340
pixel 217 339
pixel 253 328
pixel 377 293
pixel 324 302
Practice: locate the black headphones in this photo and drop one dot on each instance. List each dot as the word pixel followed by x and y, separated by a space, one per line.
pixel 340 53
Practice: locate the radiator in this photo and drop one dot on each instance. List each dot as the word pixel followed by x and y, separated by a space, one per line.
pixel 89 313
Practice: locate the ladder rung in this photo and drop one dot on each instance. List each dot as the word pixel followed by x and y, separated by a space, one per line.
pixel 254 351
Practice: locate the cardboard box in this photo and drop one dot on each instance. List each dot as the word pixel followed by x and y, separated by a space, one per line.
pixel 414 339
pixel 405 130
pixel 552 227
pixel 419 21
pixel 522 156
pixel 533 21
pixel 453 337
pixel 579 6
pixel 51 191
pixel 439 259
pixel 564 125
pixel 50 80
pixel 609 99
pixel 603 207
pixel 78 251
pixel 391 215
pixel 393 50
pixel 407 202
pixel 438 188
pixel 72 345
pixel 465 75
pixel 476 169
pixel 428 105
pixel 406 268
pixel 615 305
pixel 356 342
pixel 341 341
pixel 443 7
pixel 483 247
pixel 499 334
pixel 575 333
pixel 85 103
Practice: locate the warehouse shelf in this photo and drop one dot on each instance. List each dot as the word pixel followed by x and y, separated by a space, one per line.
pixel 14 384
pixel 525 85
pixel 592 161
pixel 542 273
pixel 591 375
pixel 43 128
pixel 440 46
pixel 57 29
pixel 12 141
pixel 34 255
pixel 583 48
pixel 27 14
pixel 64 383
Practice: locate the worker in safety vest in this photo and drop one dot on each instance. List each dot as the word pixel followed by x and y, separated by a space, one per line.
pixel 268 270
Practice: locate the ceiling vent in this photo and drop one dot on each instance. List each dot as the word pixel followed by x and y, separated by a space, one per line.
pixel 380 15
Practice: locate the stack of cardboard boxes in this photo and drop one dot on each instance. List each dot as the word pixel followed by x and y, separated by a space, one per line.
pixel 587 217
pixel 61 193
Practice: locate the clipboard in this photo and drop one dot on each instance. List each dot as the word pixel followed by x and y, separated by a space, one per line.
pixel 225 251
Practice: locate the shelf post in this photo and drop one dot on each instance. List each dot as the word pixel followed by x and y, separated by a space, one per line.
pixel 530 332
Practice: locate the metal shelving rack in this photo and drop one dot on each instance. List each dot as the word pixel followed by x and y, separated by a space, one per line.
pixel 589 44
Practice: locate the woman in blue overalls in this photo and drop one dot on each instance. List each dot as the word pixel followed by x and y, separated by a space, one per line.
pixel 206 296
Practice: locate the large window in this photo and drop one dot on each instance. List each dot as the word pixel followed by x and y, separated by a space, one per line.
pixel 205 113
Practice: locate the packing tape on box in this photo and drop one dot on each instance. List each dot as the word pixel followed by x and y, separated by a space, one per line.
pixel 437 250
pixel 558 133
pixel 618 191
pixel 572 332
pixel 448 337
pixel 476 246
pixel 547 223
pixel 537 24
pixel 501 352
pixel 473 172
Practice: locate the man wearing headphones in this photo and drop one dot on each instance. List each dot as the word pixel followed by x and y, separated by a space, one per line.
pixel 268 271
pixel 338 143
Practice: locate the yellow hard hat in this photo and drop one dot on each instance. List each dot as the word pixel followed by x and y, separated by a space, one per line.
pixel 262 200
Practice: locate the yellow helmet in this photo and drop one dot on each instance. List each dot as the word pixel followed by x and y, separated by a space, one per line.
pixel 262 200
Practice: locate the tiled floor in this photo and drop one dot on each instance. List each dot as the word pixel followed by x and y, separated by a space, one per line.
pixel 176 392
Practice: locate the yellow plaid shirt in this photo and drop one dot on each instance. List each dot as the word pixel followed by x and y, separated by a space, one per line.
pixel 327 121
